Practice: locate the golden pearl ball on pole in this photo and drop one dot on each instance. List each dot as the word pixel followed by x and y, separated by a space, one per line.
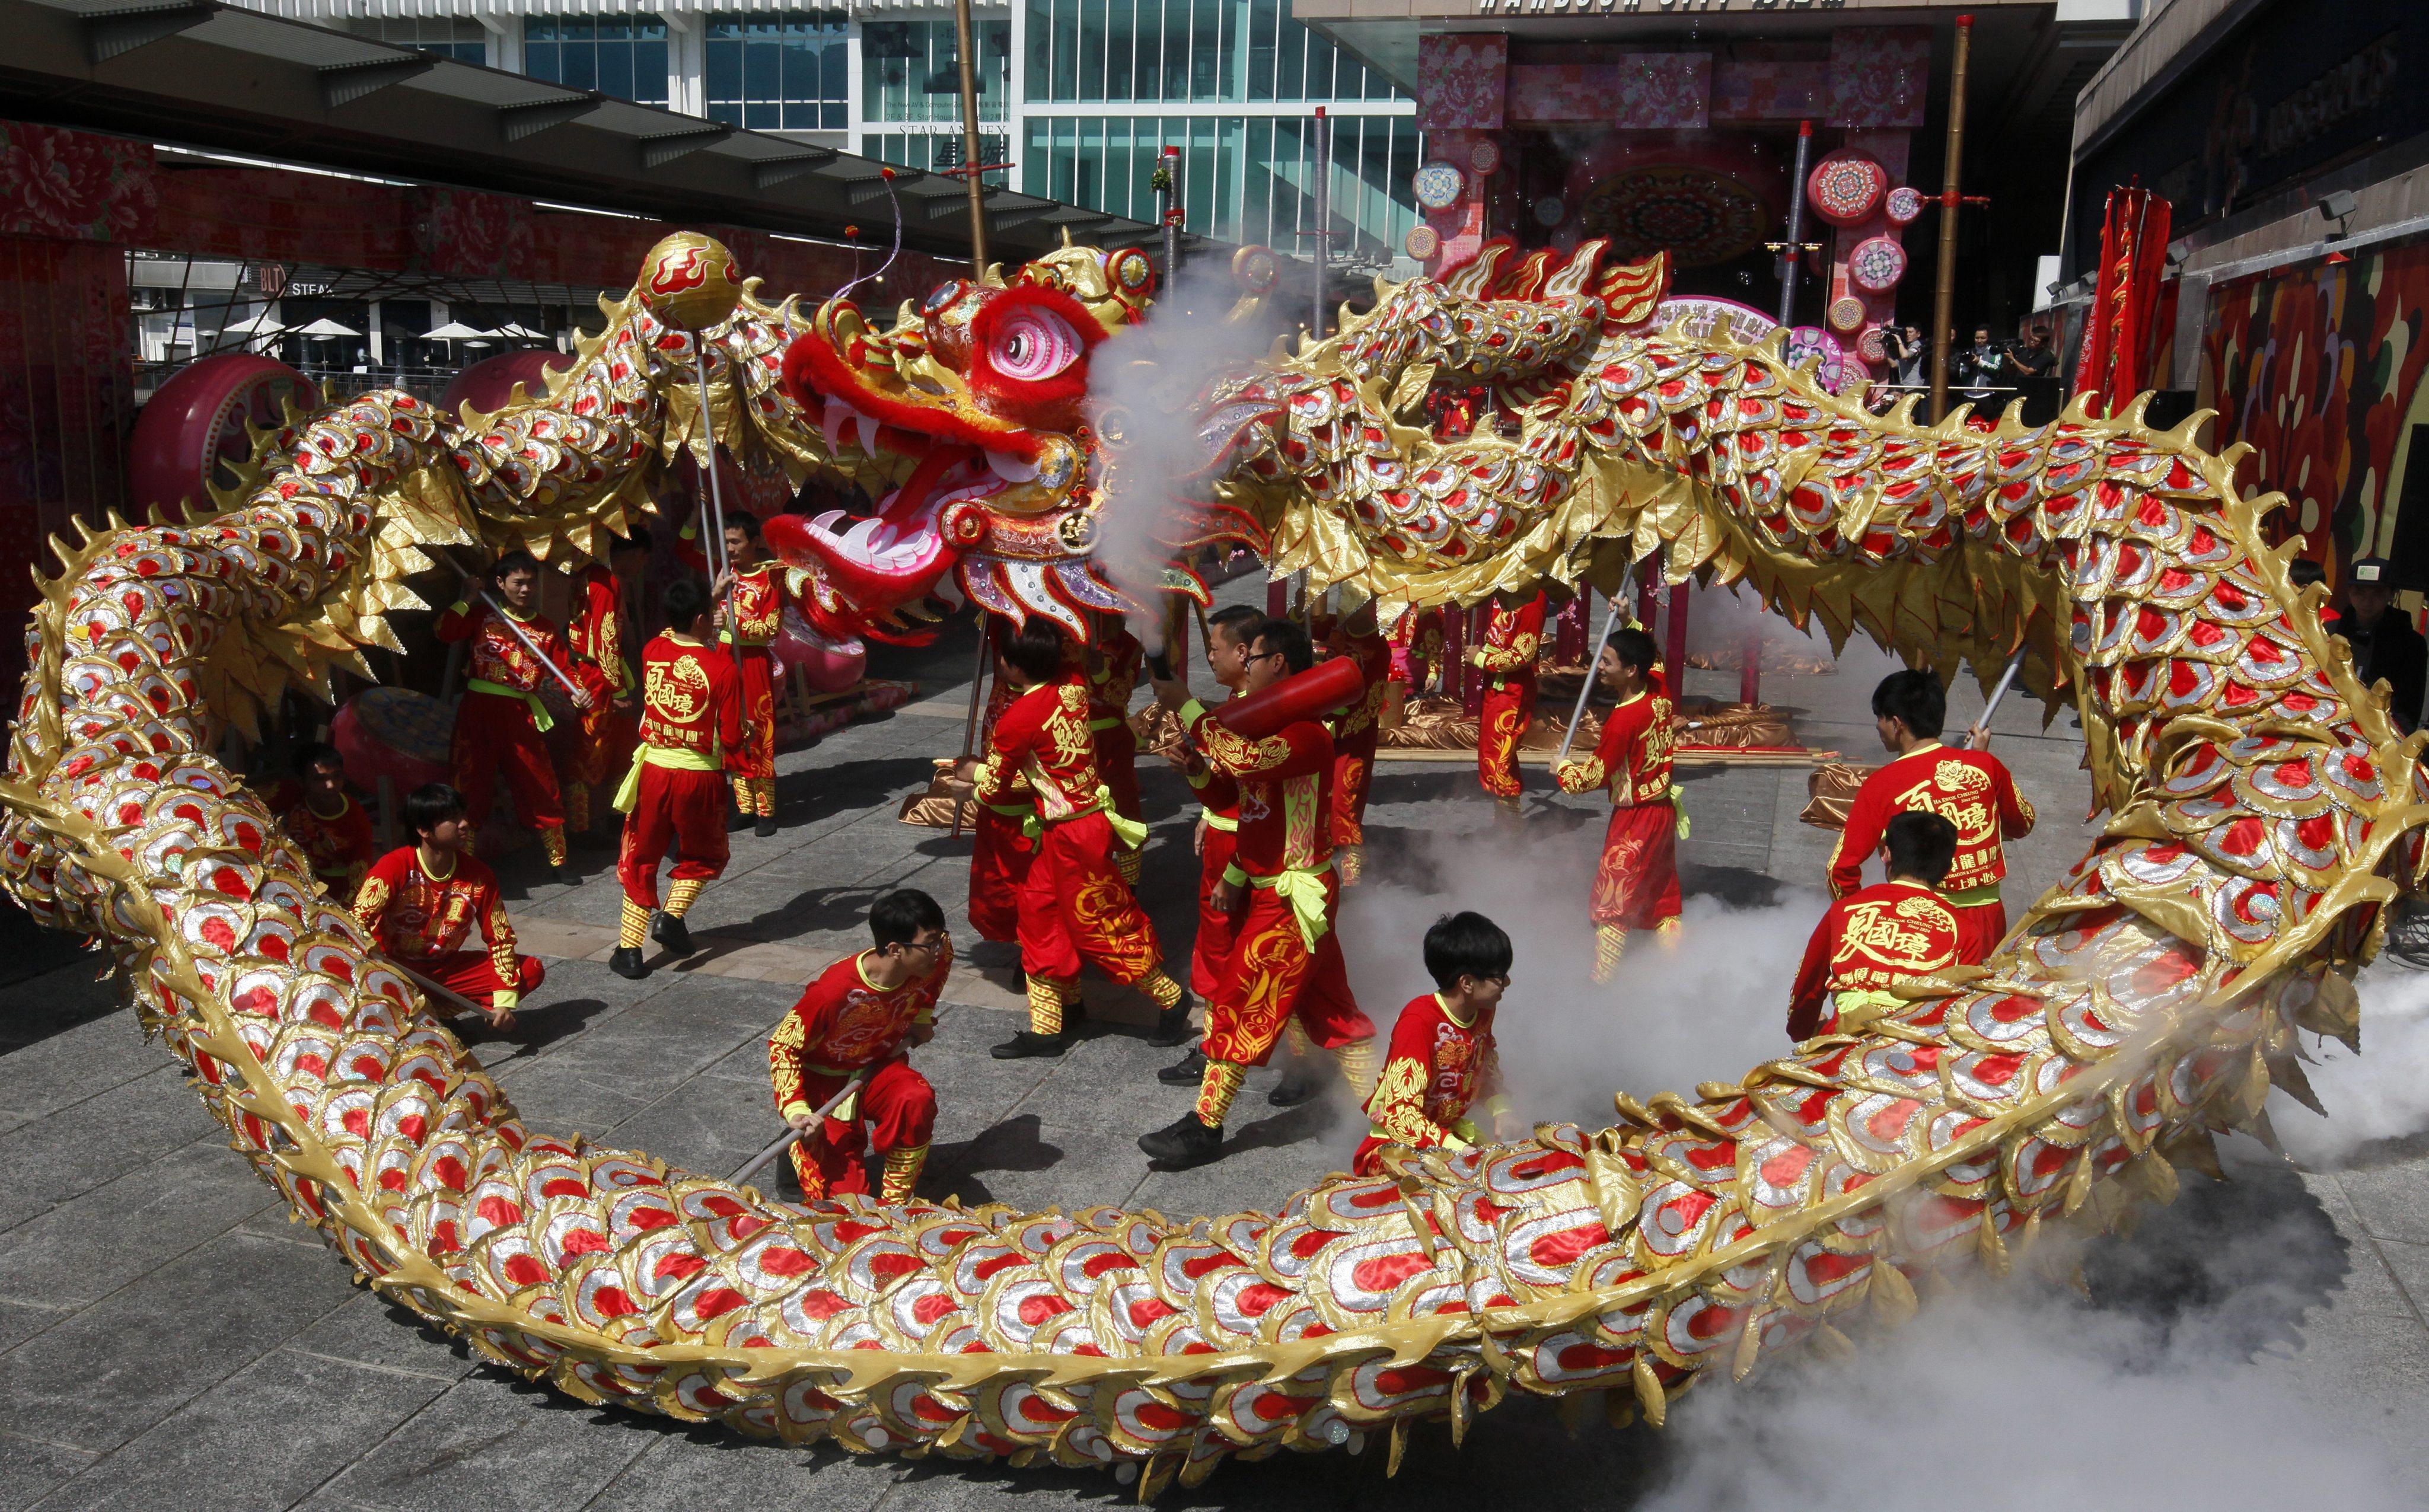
pixel 690 280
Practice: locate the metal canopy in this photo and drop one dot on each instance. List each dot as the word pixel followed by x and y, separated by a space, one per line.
pixel 210 75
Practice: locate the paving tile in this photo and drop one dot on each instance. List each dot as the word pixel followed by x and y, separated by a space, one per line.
pixel 122 1128
pixel 704 1469
pixel 2390 1200
pixel 263 1437
pixel 31 1469
pixel 369 1329
pixel 20 1321
pixel 88 1247
pixel 99 1046
pixel 499 1444
pixel 126 1362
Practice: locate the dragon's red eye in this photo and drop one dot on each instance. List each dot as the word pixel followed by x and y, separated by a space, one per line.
pixel 1035 343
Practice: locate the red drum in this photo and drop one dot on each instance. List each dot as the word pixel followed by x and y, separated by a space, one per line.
pixel 489 386
pixel 195 427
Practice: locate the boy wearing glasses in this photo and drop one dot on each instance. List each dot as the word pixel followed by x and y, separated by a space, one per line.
pixel 1442 1056
pixel 860 1018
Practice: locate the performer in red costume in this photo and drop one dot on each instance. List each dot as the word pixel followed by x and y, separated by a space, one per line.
pixel 1074 905
pixel 674 792
pixel 1637 885
pixel 1508 658
pixel 1442 1058
pixel 1286 955
pixel 1230 633
pixel 1355 732
pixel 999 852
pixel 421 901
pixel 1111 669
pixel 319 815
pixel 501 720
pixel 600 641
pixel 1885 934
pixel 759 591
pixel 1971 789
pixel 859 1019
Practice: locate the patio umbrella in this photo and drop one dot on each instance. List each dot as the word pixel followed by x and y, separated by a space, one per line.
pixel 325 327
pixel 456 331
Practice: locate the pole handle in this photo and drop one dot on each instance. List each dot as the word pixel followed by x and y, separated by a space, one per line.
pixel 792 1135
pixel 529 644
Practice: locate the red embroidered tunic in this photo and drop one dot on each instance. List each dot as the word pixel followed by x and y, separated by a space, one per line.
pixel 1044 737
pixel 1888 933
pixel 420 918
pixel 1632 758
pixel 1285 792
pixel 691 697
pixel 341 844
pixel 1113 678
pixel 498 655
pixel 1354 727
pixel 1971 789
pixel 1510 641
pixel 596 635
pixel 843 1024
pixel 1434 1073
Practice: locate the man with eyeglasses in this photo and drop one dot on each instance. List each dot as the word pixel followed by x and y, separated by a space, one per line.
pixel 1286 953
pixel 1442 1058
pixel 860 1018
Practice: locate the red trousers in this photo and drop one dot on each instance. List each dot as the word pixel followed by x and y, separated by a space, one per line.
pixel 1211 951
pixel 897 1112
pixel 1979 929
pixel 1272 975
pixel 471 974
pixel 1117 765
pixel 1497 729
pixel 1353 766
pixel 1074 906
pixel 999 859
pixel 491 731
pixel 1637 885
pixel 757 757
pixel 685 809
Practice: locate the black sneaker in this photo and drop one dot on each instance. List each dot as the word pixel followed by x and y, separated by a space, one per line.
pixel 594 839
pixel 626 961
pixel 565 875
pixel 1172 1027
pixel 671 932
pixel 1297 1085
pixel 1182 1144
pixel 763 826
pixel 738 822
pixel 1186 1072
pixel 1025 1044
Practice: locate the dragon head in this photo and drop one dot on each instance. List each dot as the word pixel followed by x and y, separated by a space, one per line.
pixel 970 416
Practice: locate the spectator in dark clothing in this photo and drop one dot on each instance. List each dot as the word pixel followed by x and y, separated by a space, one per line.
pixel 2383 643
pixel 1979 366
pixel 2035 367
pixel 1909 355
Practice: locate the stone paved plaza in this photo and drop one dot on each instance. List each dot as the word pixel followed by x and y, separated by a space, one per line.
pixel 170 1340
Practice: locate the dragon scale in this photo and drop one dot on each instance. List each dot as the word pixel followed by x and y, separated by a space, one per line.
pixel 2264 811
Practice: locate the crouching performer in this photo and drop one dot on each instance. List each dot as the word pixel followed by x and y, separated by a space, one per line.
pixel 1074 905
pixel 850 1033
pixel 421 901
pixel 1637 885
pixel 1442 1058
pixel 1888 933
pixel 1285 953
pixel 691 732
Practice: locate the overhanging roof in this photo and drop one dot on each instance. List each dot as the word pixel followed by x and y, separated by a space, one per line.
pixel 211 75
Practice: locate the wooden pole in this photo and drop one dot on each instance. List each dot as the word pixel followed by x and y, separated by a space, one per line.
pixel 966 35
pixel 1943 298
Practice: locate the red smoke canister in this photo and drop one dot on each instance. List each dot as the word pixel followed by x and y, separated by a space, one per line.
pixel 1322 689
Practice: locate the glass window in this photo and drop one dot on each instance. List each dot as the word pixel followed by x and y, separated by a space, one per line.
pixel 779 70
pixel 466 41
pixel 930 149
pixel 623 56
pixel 911 69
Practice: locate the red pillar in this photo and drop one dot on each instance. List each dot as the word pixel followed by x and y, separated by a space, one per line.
pixel 1454 650
pixel 1750 675
pixel 1471 685
pixel 1674 655
pixel 1277 597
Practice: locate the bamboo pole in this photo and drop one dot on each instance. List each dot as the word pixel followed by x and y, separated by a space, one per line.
pixel 966 35
pixel 1943 297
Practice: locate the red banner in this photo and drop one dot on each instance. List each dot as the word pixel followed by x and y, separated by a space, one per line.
pixel 2117 337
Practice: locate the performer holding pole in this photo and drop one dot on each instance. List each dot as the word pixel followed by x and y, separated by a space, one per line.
pixel 1000 852
pixel 1506 657
pixel 501 720
pixel 750 613
pixel 1890 932
pixel 1971 789
pixel 691 729
pixel 599 641
pixel 1636 887
pixel 1230 633
pixel 1356 732
pixel 840 1062
pixel 1286 958
pixel 1074 905
pixel 1110 667
pixel 420 902
pixel 1980 735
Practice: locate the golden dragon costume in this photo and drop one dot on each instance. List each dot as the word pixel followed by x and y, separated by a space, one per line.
pixel 2264 815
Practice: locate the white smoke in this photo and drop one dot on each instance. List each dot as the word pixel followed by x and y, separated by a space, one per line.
pixel 2383 1093
pixel 1154 376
